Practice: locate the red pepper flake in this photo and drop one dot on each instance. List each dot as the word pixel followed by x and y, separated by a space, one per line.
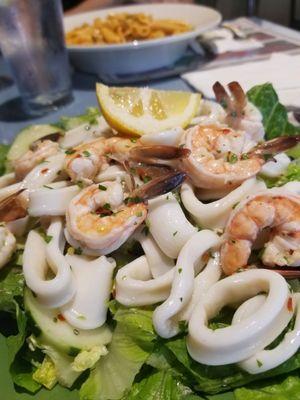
pixel 44 171
pixel 290 304
pixel 61 317
pixel 226 131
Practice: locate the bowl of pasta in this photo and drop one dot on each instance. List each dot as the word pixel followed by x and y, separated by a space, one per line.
pixel 135 39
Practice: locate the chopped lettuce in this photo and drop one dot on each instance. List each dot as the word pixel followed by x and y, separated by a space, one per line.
pixel 288 389
pixel 292 173
pixel 21 366
pixel 212 380
pixel 11 286
pixel 160 385
pixel 275 118
pixel 45 374
pixel 3 153
pixel 87 358
pixel 89 117
pixel 64 372
pixel 131 345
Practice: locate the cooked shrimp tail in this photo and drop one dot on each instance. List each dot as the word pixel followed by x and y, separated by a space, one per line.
pixel 276 145
pixel 12 207
pixel 131 181
pixel 158 186
pixel 221 95
pixel 157 154
pixel 234 104
pixel 148 172
pixel 239 96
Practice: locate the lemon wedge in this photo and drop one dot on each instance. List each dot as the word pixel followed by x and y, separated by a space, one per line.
pixel 138 111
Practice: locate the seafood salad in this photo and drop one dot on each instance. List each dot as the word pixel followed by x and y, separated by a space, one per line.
pixel 152 249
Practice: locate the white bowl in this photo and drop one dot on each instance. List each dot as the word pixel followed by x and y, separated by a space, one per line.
pixel 140 56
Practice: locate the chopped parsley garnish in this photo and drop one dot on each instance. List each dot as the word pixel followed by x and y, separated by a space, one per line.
pixel 102 187
pixel 106 206
pixel 146 228
pixel 232 158
pixel 70 151
pixel 78 251
pixel 47 187
pixel 48 238
pixel 259 363
pixel 133 200
pixel 175 233
pixel 86 153
pixel 146 179
pixel 44 235
pixel 183 326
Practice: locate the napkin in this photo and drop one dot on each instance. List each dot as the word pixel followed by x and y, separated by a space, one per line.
pixel 282 70
pixel 222 40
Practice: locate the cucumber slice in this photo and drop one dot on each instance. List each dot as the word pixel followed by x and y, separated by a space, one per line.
pixel 24 139
pixel 58 333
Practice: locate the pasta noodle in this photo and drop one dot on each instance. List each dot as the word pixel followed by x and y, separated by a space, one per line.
pixel 124 27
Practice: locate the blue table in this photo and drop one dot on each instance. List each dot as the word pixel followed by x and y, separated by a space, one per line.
pixel 84 96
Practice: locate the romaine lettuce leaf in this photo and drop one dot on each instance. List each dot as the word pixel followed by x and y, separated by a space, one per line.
pixel 11 287
pixel 3 152
pixel 131 345
pixel 292 173
pixel 46 373
pixel 21 368
pixel 89 117
pixel 160 386
pixel 212 380
pixel 275 118
pixel 288 389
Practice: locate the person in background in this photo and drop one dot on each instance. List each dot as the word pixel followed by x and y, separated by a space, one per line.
pixel 76 6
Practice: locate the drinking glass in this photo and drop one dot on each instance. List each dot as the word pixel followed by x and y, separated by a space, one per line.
pixel 32 41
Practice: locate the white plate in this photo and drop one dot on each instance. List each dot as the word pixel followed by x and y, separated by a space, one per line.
pixel 140 56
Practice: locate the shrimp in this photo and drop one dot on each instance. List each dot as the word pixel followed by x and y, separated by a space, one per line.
pixel 7 245
pixel 274 210
pixel 102 217
pixel 14 206
pixel 222 158
pixel 39 151
pixel 87 160
pixel 240 114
